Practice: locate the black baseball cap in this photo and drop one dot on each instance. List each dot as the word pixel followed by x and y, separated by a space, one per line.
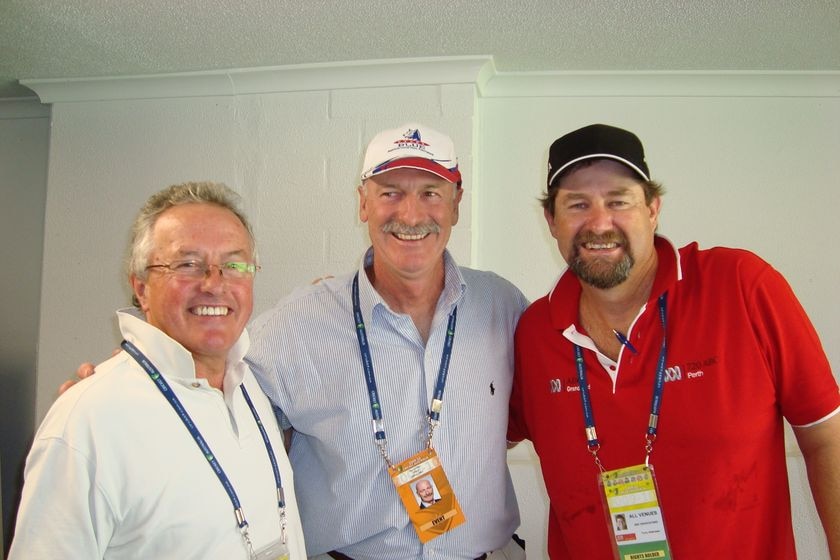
pixel 597 141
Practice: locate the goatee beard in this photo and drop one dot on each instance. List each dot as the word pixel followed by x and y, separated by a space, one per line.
pixel 597 272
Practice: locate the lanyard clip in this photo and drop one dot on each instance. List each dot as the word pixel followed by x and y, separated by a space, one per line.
pixel 283 525
pixel 594 448
pixel 652 423
pixel 240 520
pixel 650 438
pixel 433 423
pixel 243 529
pixel 379 428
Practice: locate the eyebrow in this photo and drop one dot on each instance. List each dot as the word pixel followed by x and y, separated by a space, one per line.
pixel 566 195
pixel 192 253
pixel 436 186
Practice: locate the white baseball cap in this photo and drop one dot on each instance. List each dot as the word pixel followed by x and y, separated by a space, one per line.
pixel 414 146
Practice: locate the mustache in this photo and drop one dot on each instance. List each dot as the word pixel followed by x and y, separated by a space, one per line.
pixel 405 229
pixel 612 236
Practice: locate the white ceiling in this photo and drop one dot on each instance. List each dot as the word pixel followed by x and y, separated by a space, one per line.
pixel 86 38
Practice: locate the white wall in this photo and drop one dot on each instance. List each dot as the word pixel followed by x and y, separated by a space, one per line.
pixel 24 139
pixel 749 163
pixel 295 157
pixel 757 172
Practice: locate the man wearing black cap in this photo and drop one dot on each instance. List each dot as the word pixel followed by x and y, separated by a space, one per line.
pixel 653 380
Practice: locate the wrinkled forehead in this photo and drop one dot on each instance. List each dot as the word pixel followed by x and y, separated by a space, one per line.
pixel 196 229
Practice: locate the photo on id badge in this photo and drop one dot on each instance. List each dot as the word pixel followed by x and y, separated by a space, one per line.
pixel 427 495
pixel 631 503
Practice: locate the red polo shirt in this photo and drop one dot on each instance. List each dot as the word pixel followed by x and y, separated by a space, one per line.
pixel 742 354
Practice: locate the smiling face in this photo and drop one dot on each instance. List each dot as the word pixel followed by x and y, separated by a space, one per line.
pixel 425 491
pixel 205 315
pixel 602 224
pixel 410 214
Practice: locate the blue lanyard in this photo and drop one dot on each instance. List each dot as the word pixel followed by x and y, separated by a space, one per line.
pixel 370 379
pixel 166 390
pixel 656 401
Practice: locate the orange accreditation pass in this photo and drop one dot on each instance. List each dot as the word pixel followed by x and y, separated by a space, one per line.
pixel 426 494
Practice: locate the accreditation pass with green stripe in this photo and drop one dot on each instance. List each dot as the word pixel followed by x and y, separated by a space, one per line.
pixel 635 519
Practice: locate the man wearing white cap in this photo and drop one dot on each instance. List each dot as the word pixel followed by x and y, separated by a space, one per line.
pixel 358 365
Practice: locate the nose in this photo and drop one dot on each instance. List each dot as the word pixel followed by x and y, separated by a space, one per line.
pixel 214 279
pixel 409 210
pixel 600 218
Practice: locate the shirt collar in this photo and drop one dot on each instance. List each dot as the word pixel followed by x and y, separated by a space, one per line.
pixel 171 358
pixel 564 298
pixel 454 286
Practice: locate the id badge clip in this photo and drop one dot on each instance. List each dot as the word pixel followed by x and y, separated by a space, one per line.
pixel 426 494
pixel 634 517
pixel 274 551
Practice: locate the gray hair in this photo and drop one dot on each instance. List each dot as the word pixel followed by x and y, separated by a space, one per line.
pixel 176 195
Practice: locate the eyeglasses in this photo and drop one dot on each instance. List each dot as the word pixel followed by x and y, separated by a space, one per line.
pixel 195 269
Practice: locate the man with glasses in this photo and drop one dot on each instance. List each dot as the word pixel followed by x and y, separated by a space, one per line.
pixel 358 365
pixel 172 450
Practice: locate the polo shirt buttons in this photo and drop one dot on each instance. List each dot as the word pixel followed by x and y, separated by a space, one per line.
pixel 196 384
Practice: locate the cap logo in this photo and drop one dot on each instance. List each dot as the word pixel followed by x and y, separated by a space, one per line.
pixel 406 147
pixel 411 140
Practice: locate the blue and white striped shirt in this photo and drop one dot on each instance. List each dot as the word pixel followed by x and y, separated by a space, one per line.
pixel 306 356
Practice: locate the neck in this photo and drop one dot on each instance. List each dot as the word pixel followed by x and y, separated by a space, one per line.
pixel 603 311
pixel 416 296
pixel 211 369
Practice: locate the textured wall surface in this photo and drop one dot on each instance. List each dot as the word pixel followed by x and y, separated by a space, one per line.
pixel 295 158
pixel 24 139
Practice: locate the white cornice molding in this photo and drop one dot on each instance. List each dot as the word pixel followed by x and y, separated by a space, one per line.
pixel 23 108
pixel 478 70
pixel 663 84
pixel 302 77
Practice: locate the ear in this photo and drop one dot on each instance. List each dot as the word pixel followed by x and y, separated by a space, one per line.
pixel 363 215
pixel 139 286
pixel 456 203
pixel 550 220
pixel 654 208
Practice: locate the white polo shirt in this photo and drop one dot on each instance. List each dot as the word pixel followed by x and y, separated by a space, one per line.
pixel 114 473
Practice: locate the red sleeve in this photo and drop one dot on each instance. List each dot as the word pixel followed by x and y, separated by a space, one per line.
pixel 806 388
pixel 517 430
